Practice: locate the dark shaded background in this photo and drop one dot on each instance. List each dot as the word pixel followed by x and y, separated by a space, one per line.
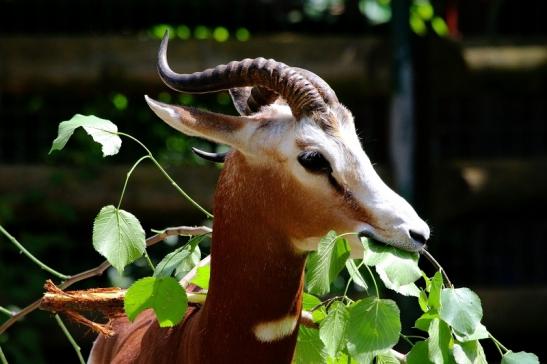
pixel 480 114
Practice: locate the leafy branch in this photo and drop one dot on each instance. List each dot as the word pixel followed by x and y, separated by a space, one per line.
pixel 99 270
pixel 335 330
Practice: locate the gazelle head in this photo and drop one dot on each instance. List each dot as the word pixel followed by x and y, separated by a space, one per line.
pixel 293 127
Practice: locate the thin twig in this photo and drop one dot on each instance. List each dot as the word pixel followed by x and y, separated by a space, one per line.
pixel 6 311
pixel 98 270
pixel 32 257
pixel 3 359
pixel 437 266
pixel 70 339
pixel 164 172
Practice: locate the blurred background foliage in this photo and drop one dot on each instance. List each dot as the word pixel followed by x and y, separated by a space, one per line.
pixel 480 81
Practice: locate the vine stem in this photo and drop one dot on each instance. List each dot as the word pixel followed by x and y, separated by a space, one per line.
pixel 32 257
pixel 164 172
pixel 3 359
pixel 70 339
pixel 6 311
pixel 150 264
pixel 128 175
pixel 98 270
pixel 373 281
pixel 498 344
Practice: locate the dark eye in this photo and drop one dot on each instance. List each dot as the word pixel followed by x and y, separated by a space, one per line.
pixel 314 162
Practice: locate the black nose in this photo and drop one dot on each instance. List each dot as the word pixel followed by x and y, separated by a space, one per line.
pixel 418 237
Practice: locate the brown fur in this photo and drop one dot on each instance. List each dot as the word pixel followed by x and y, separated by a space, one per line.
pixel 256 275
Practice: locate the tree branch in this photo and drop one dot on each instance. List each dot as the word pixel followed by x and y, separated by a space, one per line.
pixel 99 270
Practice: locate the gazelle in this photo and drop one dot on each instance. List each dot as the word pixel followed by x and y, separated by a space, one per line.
pixel 297 170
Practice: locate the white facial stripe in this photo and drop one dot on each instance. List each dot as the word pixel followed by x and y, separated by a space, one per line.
pixel 275 330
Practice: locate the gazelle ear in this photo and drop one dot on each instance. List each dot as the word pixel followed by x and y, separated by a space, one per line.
pixel 219 128
pixel 239 97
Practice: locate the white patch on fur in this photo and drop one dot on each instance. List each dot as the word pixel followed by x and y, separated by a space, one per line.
pixel 275 330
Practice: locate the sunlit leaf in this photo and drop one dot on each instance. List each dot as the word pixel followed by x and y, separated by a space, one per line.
pixel 164 295
pixel 332 329
pixel 355 274
pixel 324 265
pixel 424 321
pixel 398 269
pixel 118 236
pixel 461 308
pixel 102 131
pixel 374 325
pixel 439 341
pixel 419 354
pixel 435 291
pixel 480 333
pixel 521 357
pixel 202 276
pixel 309 347
pixel 387 358
pixel 469 353
pixel 181 260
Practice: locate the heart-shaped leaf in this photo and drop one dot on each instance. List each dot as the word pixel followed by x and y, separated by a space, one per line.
pixel 164 295
pixel 102 131
pixel 374 325
pixel 118 236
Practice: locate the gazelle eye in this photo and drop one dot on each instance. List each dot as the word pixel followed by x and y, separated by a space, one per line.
pixel 314 162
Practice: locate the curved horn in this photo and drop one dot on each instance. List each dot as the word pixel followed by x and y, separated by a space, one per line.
pixel 301 94
pixel 324 89
pixel 249 100
pixel 211 157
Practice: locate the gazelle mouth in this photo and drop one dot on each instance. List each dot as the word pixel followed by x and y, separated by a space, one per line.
pixel 412 245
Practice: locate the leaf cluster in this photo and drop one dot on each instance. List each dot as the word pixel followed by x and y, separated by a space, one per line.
pixel 350 331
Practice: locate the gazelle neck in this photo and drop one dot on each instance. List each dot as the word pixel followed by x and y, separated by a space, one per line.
pixel 254 299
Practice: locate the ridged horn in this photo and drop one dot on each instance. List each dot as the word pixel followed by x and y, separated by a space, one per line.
pixel 249 100
pixel 301 95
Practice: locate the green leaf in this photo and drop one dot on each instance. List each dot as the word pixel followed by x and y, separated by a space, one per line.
pixel 435 291
pixel 102 131
pixel 386 358
pixel 309 347
pixel 201 278
pixel 332 329
pixel 469 353
pixel 310 302
pixel 343 358
pixel 409 290
pixel 118 236
pixel 164 295
pixel 189 263
pixel 424 321
pixel 374 325
pixel 324 265
pixel 480 333
pixel 521 357
pixel 355 274
pixel 180 260
pixel 419 354
pixel 172 260
pixel 439 342
pixel 422 301
pixel 395 267
pixel 461 308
